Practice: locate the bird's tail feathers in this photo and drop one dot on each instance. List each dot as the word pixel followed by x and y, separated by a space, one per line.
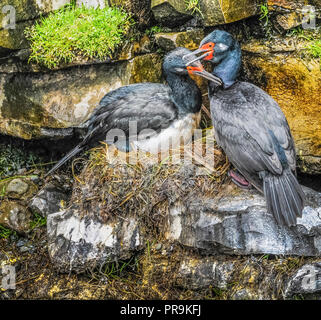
pixel 68 156
pixel 284 197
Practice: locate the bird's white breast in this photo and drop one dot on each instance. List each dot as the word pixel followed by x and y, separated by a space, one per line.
pixel 180 131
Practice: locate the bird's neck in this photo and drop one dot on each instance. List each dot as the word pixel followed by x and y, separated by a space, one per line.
pixel 229 68
pixel 185 93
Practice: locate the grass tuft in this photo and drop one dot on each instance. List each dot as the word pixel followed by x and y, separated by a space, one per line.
pixel 38 221
pixel 312 37
pixel 74 33
pixel 5 233
pixel 194 7
pixel 151 31
pixel 264 13
pixel 315 48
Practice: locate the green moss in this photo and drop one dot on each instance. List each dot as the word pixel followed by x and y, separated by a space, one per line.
pixel 72 33
pixel 37 221
pixel 265 20
pixel 12 159
pixel 315 48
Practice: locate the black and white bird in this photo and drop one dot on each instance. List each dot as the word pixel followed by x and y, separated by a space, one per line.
pixel 159 112
pixel 252 130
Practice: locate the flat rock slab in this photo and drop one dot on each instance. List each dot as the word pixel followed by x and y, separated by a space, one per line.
pixel 240 224
pixel 77 242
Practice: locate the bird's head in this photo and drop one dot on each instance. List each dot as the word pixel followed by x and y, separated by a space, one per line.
pixel 222 50
pixel 178 62
pixel 216 47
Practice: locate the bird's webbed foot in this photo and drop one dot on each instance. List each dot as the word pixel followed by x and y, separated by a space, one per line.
pixel 239 180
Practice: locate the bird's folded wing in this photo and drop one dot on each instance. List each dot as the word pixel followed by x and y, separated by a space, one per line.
pixel 142 107
pixel 255 133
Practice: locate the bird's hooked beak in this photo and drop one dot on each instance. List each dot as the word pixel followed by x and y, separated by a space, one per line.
pixel 200 71
pixel 208 48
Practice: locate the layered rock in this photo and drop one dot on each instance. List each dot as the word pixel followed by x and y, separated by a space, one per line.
pixel 175 12
pixel 37 103
pixel 47 104
pixel 239 224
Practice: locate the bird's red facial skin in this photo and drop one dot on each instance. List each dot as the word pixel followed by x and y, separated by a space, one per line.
pixel 191 69
pixel 210 48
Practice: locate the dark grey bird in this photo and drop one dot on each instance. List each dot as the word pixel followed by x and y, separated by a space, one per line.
pixel 163 115
pixel 252 130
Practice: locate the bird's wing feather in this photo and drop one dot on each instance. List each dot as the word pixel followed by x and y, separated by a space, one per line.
pixel 149 105
pixel 267 108
pixel 251 117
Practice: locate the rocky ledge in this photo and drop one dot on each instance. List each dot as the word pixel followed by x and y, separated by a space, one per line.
pixel 232 222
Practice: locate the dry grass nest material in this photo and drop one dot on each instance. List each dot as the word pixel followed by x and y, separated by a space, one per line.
pixel 112 184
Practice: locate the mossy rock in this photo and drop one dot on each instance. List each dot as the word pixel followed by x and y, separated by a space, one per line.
pixel 145 68
pixel 18 188
pixel 14 39
pixel 290 13
pixel 25 12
